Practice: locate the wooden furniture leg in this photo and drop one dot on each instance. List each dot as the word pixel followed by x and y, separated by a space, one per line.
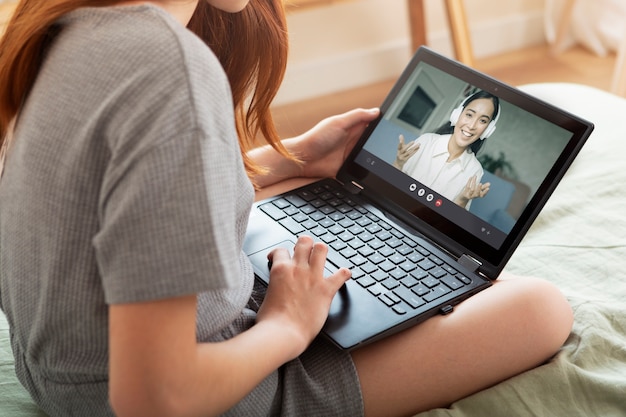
pixel 457 22
pixel 417 23
pixel 460 33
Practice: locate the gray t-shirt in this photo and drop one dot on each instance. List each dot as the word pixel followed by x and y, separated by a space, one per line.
pixel 125 183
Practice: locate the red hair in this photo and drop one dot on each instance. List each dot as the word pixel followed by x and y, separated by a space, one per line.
pixel 251 46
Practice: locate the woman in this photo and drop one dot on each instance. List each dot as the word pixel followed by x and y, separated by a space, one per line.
pixel 123 205
pixel 447 161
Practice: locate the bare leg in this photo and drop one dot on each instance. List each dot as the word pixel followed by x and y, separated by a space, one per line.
pixel 511 327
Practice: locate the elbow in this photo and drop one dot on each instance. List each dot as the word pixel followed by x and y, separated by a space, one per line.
pixel 145 402
pixel 137 402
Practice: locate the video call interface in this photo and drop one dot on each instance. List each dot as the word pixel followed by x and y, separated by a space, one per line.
pixel 512 161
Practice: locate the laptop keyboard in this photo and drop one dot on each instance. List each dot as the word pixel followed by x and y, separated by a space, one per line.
pixel 392 266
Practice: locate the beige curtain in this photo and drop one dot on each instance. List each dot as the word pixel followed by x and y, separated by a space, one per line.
pixel 598 25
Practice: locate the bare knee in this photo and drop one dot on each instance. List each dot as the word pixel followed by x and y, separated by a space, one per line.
pixel 546 311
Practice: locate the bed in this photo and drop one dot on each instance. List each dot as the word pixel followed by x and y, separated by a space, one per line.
pixel 579 243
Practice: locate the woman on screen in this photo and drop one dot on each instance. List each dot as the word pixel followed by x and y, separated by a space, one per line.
pixel 446 160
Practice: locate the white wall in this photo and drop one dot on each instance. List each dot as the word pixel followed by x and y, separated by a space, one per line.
pixel 354 43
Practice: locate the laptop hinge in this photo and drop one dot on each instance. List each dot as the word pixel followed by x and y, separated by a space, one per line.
pixel 469 263
pixel 353 187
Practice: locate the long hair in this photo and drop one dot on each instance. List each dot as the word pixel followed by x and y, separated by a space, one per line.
pixel 447 128
pixel 251 46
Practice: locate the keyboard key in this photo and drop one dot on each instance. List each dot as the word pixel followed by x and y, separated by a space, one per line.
pixel 379 275
pixel 376 289
pixel 426 264
pixel 420 290
pixel 317 203
pixel 348 253
pixel 356 243
pixel 438 272
pixel 385 225
pixel 358 260
pixel 409 297
pixel 328 238
pixel 422 250
pixel 281 203
pixel 409 282
pixel 273 211
pixel 387 266
pixel 356 229
pixel 399 309
pixel 346 223
pixel 419 274
pixel 373 228
pixel 357 273
pixel 451 282
pixel 369 268
pixel 310 224
pixel 397 274
pixel 390 283
pixel 430 282
pixel 465 280
pixel 385 299
pixel 404 250
pixel 407 266
pixel 366 281
pixel 367 251
pixel 295 200
pixel 338 245
pixel 292 225
pixel 363 221
pixel 301 217
pixel 336 216
pixel 436 293
pixel 376 258
pixel 375 243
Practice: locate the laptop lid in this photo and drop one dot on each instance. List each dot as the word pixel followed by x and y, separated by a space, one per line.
pixel 526 152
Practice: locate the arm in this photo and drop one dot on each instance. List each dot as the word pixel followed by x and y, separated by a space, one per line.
pixel 157 367
pixel 322 149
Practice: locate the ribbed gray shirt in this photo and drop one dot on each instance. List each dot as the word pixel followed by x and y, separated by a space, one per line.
pixel 125 183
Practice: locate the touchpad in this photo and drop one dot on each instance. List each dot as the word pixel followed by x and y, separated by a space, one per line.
pixel 262 265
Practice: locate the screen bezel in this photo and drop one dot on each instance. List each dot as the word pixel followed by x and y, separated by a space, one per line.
pixel 427 221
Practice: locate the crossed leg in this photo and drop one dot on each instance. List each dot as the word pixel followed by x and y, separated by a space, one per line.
pixel 513 326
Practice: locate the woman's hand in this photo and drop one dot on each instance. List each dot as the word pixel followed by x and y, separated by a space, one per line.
pixel 473 189
pixel 321 150
pixel 325 147
pixel 405 152
pixel 298 296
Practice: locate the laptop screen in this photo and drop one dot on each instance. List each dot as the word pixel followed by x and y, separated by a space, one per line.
pixel 471 157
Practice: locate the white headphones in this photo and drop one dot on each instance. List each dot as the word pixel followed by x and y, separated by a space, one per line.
pixel 456 113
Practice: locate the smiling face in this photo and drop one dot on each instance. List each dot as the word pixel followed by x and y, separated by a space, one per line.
pixel 472 122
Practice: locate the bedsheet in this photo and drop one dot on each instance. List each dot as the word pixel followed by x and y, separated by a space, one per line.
pixel 579 243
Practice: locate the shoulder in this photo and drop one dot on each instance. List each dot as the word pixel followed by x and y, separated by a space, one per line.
pixel 136 64
pixel 139 39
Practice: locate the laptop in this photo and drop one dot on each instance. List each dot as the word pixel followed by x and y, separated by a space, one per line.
pixel 414 252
